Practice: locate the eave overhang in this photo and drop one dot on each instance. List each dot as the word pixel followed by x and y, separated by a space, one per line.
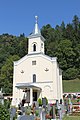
pixel 27 85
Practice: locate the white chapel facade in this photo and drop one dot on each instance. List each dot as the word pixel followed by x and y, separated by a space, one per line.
pixel 36 75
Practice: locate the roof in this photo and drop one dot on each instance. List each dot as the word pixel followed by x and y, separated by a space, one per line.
pixel 52 59
pixel 36 32
pixel 27 85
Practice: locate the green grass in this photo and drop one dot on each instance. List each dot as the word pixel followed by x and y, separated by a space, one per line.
pixel 71 85
pixel 71 118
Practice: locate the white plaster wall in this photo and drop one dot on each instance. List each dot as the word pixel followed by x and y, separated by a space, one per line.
pixel 61 87
pixel 38 41
pixel 38 69
pixel 47 81
pixel 55 81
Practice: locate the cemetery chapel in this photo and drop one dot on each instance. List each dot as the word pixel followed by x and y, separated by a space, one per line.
pixel 36 75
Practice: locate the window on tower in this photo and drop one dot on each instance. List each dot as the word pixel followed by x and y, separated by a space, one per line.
pixel 34 47
pixel 41 45
pixel 34 78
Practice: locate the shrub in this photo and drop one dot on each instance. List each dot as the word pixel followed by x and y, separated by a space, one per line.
pixel 37 112
pixel 71 73
pixel 40 102
pixel 4 113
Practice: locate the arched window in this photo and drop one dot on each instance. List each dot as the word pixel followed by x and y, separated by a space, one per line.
pixel 34 78
pixel 34 47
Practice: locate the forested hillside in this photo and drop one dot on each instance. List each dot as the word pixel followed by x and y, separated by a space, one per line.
pixel 63 41
pixel 12 48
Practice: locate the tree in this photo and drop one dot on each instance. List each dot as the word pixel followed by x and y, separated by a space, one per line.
pixel 62 26
pixel 69 32
pixel 66 55
pixel 70 73
pixel 77 59
pixel 64 50
pixel 22 47
pixel 47 32
pixel 76 23
pixel 7 74
pixel 4 113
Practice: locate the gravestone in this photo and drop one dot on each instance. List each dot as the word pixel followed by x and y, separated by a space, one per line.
pixel 23 109
pixel 12 113
pixel 60 101
pixel 57 103
pixel 42 113
pixel 1 97
pixel 26 117
pixel 48 107
pixel 63 110
pixel 54 116
pixel 44 102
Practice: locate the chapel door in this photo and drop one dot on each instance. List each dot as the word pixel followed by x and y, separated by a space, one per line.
pixel 34 95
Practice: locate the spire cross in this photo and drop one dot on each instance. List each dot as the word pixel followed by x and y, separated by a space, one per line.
pixel 36 17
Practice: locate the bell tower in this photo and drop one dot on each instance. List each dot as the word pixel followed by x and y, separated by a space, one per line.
pixel 36 40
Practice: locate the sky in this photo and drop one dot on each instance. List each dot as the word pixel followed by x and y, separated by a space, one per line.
pixel 18 16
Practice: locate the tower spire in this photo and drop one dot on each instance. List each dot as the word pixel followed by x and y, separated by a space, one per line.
pixel 36 29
